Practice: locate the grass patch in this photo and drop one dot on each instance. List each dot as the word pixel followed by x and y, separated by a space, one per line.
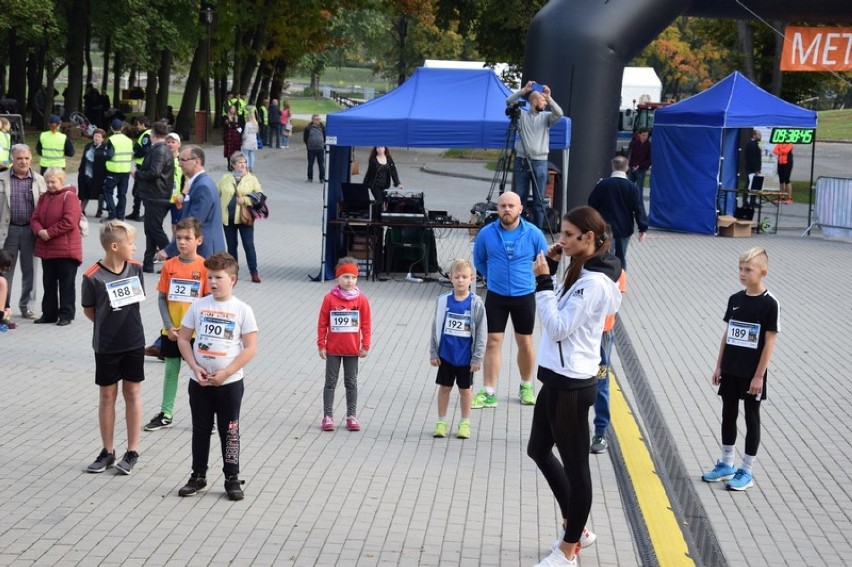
pixel 835 125
pixel 339 77
pixel 462 153
pixel 801 191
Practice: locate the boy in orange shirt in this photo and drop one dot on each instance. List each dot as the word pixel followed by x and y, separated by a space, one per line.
pixel 183 280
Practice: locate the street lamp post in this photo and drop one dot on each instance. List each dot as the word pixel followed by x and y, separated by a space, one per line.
pixel 207 16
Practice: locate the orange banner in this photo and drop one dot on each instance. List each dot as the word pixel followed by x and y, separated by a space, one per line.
pixel 817 49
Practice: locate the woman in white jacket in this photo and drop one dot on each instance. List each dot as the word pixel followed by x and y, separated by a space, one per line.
pixel 572 319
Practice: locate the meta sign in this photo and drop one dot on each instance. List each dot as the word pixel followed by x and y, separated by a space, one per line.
pixel 817 49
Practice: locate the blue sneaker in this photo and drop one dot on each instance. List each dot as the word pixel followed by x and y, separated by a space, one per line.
pixel 741 481
pixel 720 472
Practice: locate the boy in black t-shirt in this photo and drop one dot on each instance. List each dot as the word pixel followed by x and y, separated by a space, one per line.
pixel 111 292
pixel 752 317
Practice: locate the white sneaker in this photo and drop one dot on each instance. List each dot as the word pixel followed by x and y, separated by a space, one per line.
pixel 557 559
pixel 587 538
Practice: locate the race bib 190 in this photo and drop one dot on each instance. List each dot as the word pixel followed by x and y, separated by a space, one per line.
pixel 215 335
pixel 125 292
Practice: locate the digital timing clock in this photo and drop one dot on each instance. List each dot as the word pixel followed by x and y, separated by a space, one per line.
pixel 792 136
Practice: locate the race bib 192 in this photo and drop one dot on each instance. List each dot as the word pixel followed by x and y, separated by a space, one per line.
pixel 456 325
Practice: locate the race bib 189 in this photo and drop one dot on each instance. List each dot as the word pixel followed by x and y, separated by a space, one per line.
pixel 343 321
pixel 125 292
pixel 743 334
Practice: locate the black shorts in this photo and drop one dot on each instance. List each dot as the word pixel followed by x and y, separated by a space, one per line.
pixel 736 387
pixel 499 307
pixel 169 348
pixel 110 367
pixel 784 171
pixel 449 374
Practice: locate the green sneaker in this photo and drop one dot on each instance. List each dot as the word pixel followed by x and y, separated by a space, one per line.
pixel 479 400
pixel 527 394
pixel 440 429
pixel 463 430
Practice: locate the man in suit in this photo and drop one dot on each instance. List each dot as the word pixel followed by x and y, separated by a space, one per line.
pixel 202 202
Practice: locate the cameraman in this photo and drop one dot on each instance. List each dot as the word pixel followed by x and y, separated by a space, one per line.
pixel 533 142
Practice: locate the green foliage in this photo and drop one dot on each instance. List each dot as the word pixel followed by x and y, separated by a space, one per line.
pixel 835 125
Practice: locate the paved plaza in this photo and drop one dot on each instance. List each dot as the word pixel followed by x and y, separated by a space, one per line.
pixel 392 494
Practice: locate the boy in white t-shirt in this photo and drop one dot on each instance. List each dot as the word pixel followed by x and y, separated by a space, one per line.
pixel 225 341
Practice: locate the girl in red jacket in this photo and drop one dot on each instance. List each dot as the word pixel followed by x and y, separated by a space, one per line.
pixel 59 244
pixel 343 335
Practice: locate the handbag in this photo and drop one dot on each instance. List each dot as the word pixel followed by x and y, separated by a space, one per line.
pixel 246 217
pixel 83 223
pixel 356 167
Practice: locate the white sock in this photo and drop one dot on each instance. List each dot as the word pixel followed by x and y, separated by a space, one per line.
pixel 748 462
pixel 728 455
pixel 489 390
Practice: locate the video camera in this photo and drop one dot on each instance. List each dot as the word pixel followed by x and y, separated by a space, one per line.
pixel 514 110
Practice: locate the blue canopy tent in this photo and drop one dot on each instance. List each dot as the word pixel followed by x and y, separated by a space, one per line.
pixel 696 146
pixel 434 108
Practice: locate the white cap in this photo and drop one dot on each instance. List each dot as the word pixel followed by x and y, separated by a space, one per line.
pixel 173 135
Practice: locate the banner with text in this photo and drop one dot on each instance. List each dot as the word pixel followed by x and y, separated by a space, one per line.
pixel 817 49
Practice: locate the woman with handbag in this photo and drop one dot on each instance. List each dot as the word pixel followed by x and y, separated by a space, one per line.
pixel 56 226
pixel 235 189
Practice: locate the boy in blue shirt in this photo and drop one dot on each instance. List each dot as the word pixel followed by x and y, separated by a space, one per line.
pixel 457 346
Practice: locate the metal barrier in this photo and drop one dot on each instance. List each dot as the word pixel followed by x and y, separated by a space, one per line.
pixel 833 207
pixel 345 101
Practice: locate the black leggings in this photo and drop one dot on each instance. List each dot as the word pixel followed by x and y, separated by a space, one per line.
pixel 223 402
pixel 561 418
pixel 730 412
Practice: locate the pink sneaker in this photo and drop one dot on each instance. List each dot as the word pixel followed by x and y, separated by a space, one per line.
pixel 352 424
pixel 327 423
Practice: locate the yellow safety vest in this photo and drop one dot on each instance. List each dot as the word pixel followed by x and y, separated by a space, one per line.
pixel 122 158
pixel 263 114
pixel 5 147
pixel 52 149
pixel 176 189
pixel 139 141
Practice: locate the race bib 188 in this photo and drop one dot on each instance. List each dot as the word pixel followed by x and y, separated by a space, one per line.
pixel 125 292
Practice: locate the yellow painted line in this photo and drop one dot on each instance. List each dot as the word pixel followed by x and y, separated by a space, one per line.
pixel 663 528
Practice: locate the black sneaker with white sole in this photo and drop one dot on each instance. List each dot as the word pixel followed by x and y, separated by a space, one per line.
pixel 196 483
pixel 104 461
pixel 234 488
pixel 159 421
pixel 125 465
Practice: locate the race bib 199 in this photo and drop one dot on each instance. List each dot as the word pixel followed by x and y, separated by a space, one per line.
pixel 456 325
pixel 743 334
pixel 184 291
pixel 125 292
pixel 344 321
